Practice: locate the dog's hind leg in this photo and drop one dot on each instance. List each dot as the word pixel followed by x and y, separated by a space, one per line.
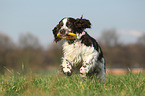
pixel 102 73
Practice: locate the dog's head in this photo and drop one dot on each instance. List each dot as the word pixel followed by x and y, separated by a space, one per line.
pixel 67 25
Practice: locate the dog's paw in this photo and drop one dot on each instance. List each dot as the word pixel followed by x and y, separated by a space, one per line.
pixel 67 71
pixel 84 70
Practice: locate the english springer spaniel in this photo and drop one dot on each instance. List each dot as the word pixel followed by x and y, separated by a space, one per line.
pixel 82 54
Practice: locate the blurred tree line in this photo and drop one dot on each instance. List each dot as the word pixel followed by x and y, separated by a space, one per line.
pixel 119 55
pixel 29 52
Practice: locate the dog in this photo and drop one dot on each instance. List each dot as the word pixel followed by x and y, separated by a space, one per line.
pixel 82 54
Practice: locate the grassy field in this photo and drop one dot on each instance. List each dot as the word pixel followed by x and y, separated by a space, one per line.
pixel 59 85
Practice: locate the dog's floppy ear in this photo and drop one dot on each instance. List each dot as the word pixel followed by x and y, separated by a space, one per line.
pixel 55 31
pixel 82 23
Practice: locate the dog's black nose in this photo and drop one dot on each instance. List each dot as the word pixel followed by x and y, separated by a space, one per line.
pixel 62 31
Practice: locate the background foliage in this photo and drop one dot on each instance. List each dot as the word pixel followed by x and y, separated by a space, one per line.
pixel 29 51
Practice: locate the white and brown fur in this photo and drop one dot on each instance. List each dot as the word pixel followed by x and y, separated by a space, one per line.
pixel 83 54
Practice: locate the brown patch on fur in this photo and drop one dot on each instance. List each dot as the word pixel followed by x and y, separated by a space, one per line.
pixel 81 24
pixel 55 31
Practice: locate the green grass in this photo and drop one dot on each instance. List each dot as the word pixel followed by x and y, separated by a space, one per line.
pixel 60 85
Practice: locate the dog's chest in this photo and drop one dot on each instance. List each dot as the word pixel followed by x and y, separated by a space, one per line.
pixel 77 52
pixel 73 50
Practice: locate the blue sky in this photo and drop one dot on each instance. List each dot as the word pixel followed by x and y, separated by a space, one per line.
pixel 40 16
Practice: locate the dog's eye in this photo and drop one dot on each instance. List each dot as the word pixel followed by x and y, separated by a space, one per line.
pixel 68 24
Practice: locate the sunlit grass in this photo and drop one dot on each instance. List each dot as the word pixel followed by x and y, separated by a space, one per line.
pixel 60 85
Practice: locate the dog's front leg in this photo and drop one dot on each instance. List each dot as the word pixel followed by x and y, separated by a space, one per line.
pixel 66 67
pixel 89 63
pixel 85 69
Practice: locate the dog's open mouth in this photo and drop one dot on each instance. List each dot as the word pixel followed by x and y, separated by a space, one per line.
pixel 67 36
